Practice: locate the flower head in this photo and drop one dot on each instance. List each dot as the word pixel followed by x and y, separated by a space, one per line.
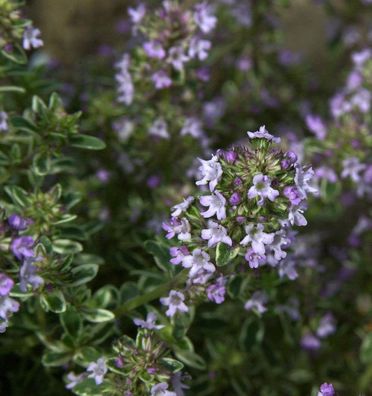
pixel 262 133
pixel 174 302
pixel 204 17
pixel 6 285
pixel 326 390
pixel 261 188
pixel 3 121
pixel 22 247
pixel 257 238
pixel 161 390
pixel 216 291
pixel 97 370
pixel 31 38
pixel 215 233
pixel 257 302
pixel 149 323
pixel 216 203
pixel 211 172
pixel 28 275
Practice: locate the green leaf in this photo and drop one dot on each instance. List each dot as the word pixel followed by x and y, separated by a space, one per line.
pixel 12 88
pixel 98 315
pixel 17 55
pixel 87 387
pixel 18 195
pixel 66 246
pixel 366 350
pixel 191 359
pixel 42 164
pixel 87 142
pixel 23 123
pixel 71 321
pixel 83 274
pixel 53 301
pixel 222 254
pixel 234 286
pixel 55 359
pixel 172 365
pixel 86 355
pixel 160 253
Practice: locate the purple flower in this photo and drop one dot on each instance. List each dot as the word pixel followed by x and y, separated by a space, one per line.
pixel 197 261
pixel 179 227
pixel 6 285
pixel 257 302
pixel 149 323
pixel 31 38
pixel 18 223
pixel 192 127
pixel 261 188
pixel 216 291
pixel 257 238
pixel 22 247
pixel 310 343
pixel 262 133
pixel 199 48
pixel 74 379
pixel 280 239
pixel 230 156
pixel 292 193
pixel 216 203
pixel 352 168
pixel 154 49
pixel 303 180
pixel 211 172
pixel 103 175
pixel 287 268
pixel 291 157
pixel 182 207
pixel 316 126
pixel 161 390
pixel 326 326
pixel 295 215
pixel 359 58
pixel 254 259
pixel 326 390
pixel 3 121
pixel 362 100
pixel 177 58
pixel 153 181
pixel 178 254
pixel 137 14
pixel 7 307
pixel 161 80
pixel 27 275
pixel 124 81
pixel 235 199
pixel 326 173
pixel 97 370
pixel 215 234
pixel 159 129
pixel 204 17
pixel 174 302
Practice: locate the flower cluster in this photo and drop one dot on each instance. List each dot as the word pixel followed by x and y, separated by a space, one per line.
pixel 251 197
pixel 7 304
pixel 136 367
pixel 342 148
pixel 22 247
pixel 170 37
pixel 173 35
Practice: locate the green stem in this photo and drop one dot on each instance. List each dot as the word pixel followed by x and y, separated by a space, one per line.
pixel 158 292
